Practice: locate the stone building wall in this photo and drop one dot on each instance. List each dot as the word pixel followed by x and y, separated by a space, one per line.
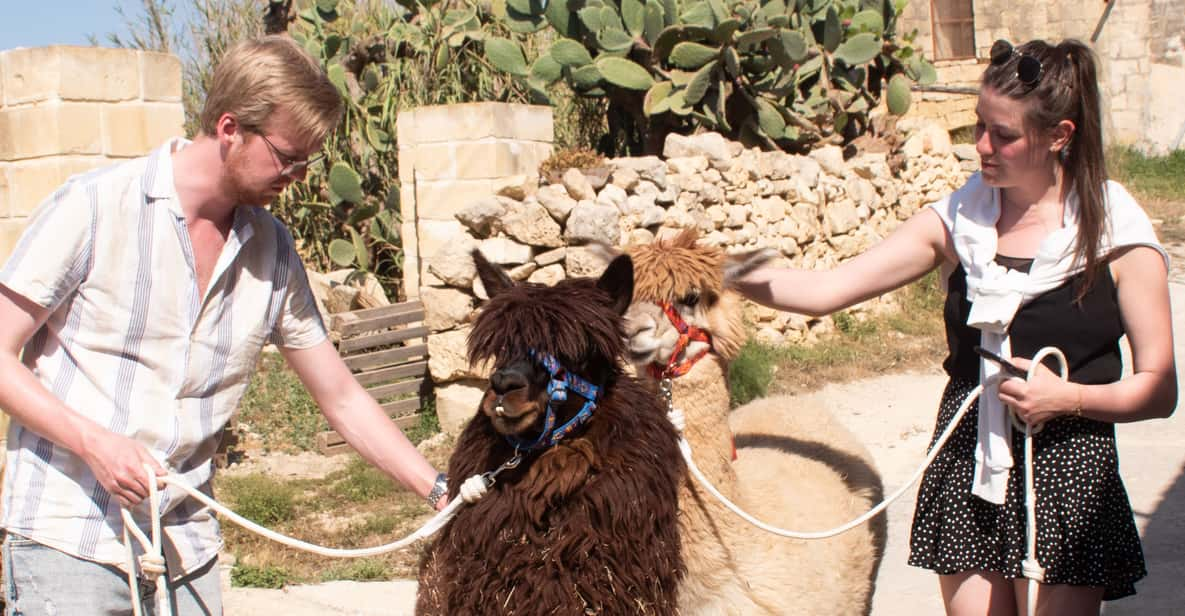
pixel 65 110
pixel 1140 48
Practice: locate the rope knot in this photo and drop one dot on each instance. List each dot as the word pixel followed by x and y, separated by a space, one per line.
pixel 152 566
pixel 1032 569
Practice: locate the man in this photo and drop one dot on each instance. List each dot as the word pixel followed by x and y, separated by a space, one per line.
pixel 141 295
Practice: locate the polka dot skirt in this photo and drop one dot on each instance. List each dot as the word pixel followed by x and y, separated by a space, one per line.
pixel 1086 534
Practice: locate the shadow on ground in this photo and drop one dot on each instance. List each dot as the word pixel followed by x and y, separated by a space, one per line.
pixel 1162 592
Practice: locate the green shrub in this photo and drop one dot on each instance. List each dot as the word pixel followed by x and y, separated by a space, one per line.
pixel 1150 176
pixel 260 498
pixel 249 576
pixel 360 482
pixel 752 372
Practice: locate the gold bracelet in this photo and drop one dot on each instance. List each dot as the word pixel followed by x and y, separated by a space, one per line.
pixel 1078 408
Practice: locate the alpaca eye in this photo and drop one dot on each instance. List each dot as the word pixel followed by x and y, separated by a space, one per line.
pixel 691 299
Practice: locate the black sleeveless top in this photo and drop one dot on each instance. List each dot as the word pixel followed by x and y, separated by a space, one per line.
pixel 1087 332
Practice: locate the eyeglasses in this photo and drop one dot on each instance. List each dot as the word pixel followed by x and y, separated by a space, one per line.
pixel 1028 68
pixel 291 165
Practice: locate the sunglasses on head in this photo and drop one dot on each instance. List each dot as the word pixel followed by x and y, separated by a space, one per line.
pixel 1028 68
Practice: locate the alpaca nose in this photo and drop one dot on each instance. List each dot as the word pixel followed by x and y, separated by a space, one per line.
pixel 507 380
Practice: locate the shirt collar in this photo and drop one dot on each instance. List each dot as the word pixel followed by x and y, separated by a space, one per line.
pixel 158 185
pixel 158 181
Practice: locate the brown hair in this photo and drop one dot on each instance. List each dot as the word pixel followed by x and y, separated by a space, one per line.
pixel 258 76
pixel 1066 90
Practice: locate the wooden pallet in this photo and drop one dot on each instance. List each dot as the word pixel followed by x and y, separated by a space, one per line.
pixel 387 350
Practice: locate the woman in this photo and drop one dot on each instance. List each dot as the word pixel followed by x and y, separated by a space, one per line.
pixel 1038 249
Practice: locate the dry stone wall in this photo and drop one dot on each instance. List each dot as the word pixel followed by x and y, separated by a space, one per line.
pixel 817 210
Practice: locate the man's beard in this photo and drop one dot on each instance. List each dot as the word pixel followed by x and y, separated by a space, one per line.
pixel 237 188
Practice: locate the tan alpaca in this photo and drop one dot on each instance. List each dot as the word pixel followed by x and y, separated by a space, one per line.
pixel 796 467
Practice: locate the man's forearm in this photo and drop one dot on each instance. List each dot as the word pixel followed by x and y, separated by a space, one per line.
pixel 28 402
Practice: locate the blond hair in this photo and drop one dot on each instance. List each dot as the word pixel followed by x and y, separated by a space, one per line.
pixel 259 76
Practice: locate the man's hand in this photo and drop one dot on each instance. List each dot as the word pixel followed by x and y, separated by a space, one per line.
pixel 118 463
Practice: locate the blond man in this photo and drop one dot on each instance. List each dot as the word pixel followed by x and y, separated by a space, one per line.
pixel 141 295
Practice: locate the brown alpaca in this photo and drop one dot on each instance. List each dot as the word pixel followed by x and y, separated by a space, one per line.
pixel 795 466
pixel 584 526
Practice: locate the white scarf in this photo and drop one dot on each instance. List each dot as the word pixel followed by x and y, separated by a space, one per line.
pixel 996 293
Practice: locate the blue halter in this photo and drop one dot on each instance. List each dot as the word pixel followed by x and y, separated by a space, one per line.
pixel 557 391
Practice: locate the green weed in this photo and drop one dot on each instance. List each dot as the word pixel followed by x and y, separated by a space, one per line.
pixel 360 482
pixel 362 570
pixel 260 498
pixel 277 407
pixel 250 576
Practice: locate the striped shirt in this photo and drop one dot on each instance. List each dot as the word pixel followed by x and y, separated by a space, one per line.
pixel 131 345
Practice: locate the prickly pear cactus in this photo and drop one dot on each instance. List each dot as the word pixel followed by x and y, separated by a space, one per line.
pixel 781 73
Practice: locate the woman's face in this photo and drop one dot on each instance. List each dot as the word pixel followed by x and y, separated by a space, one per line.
pixel 1009 155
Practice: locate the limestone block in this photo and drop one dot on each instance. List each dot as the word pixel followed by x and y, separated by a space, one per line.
pixel 544 259
pixel 50 129
pixel 577 185
pixel 5 198
pixel 688 165
pixel 512 158
pixel 70 73
pixel 504 251
pixel 407 158
pixel 132 129
pixel 554 198
pixel 593 222
pixel 625 178
pixel 612 195
pixel 457 403
pixel 520 273
pixel 445 308
pixel 526 122
pixel 463 121
pixel 31 181
pixel 160 77
pixel 447 360
pixel 516 187
pixel 713 146
pixel 639 237
pixel 830 158
pixel 407 201
pixel 651 168
pixel 530 223
pixel 711 193
pixel 770 208
pixel 443 199
pixel 453 263
pixel 433 236
pixel 484 216
pixel 10 233
pixel 580 261
pixel 548 275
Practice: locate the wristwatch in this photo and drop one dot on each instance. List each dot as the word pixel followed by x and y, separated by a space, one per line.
pixel 439 489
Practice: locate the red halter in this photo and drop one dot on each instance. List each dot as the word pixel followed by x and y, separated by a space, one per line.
pixel 674 367
pixel 687 334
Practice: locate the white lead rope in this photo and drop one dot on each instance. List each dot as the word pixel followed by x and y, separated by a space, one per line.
pixel 152 562
pixel 1030 567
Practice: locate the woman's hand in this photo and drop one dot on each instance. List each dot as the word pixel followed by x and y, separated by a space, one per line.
pixel 1043 398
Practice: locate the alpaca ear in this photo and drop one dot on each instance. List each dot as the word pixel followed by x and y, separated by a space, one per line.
pixel 492 277
pixel 618 282
pixel 740 265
